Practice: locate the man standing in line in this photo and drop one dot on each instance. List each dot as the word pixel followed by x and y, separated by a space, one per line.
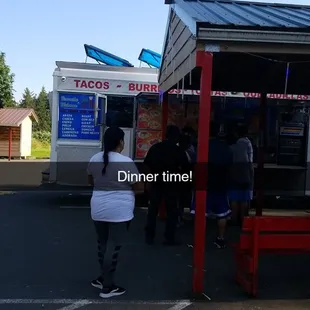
pixel 165 156
pixel 220 159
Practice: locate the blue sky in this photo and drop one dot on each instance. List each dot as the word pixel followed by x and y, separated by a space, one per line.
pixel 34 34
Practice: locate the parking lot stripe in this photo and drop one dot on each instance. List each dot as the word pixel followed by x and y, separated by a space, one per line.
pixel 181 305
pixel 76 305
pixel 94 301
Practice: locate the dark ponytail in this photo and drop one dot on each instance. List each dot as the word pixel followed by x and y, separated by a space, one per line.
pixel 111 140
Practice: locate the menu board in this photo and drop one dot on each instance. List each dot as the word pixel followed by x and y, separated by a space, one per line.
pixel 149 116
pixel 144 140
pixel 76 117
pixel 176 114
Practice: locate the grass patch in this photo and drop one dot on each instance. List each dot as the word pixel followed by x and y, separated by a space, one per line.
pixel 40 149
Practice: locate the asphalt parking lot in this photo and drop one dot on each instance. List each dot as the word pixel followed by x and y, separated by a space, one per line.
pixel 48 257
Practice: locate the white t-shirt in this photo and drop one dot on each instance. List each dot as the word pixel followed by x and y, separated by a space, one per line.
pixel 243 151
pixel 112 201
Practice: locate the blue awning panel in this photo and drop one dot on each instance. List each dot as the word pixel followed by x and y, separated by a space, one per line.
pixel 151 58
pixel 105 57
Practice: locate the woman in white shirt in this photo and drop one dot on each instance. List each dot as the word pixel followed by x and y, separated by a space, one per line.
pixel 242 175
pixel 112 206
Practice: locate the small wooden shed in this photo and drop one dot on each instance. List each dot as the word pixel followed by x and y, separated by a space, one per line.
pixel 16 132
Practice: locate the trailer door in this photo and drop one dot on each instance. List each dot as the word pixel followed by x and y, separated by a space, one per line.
pixel 101 114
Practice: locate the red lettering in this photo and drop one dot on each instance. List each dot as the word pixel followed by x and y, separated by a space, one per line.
pixel 251 95
pixel 302 97
pixel 77 82
pixel 217 93
pixel 131 86
pixel 91 84
pixel 83 84
pixel 196 92
pixel 154 88
pixel 106 85
pixel 98 84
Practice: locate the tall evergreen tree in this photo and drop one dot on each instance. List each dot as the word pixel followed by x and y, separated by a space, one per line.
pixel 6 84
pixel 28 100
pixel 43 112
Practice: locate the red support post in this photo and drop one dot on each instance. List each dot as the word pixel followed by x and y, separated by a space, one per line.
pixel 162 209
pixel 10 143
pixel 205 61
pixel 261 156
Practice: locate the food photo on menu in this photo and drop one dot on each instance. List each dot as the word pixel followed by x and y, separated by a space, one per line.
pixel 149 116
pixel 144 140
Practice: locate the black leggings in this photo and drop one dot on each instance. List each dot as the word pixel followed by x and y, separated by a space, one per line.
pixel 110 238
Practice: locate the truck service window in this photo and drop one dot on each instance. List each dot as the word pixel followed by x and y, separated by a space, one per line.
pixel 287 123
pixel 120 111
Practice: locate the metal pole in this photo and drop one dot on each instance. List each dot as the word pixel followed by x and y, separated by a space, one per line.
pixel 261 156
pixel 286 77
pixel 205 61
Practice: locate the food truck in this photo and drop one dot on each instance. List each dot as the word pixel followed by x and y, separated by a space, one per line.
pixel 88 98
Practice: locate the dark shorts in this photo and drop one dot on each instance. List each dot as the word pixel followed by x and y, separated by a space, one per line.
pixel 240 195
pixel 217 205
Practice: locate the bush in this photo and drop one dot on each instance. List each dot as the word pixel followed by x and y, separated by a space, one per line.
pixel 42 136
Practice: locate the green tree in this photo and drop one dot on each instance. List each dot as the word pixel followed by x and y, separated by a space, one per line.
pixel 6 84
pixel 43 112
pixel 28 100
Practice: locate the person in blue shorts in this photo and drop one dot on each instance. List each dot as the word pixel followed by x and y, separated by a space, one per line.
pixel 217 204
pixel 242 175
pixel 220 159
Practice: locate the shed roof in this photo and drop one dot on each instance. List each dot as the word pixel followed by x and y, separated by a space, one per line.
pixel 246 14
pixel 13 117
pixel 254 39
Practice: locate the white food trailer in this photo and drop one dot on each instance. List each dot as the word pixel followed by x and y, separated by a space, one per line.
pixel 78 107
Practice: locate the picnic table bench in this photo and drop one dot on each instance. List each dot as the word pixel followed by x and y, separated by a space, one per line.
pixel 267 234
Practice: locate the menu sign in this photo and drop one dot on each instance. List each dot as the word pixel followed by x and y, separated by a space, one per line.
pixel 145 139
pixel 76 117
pixel 149 116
